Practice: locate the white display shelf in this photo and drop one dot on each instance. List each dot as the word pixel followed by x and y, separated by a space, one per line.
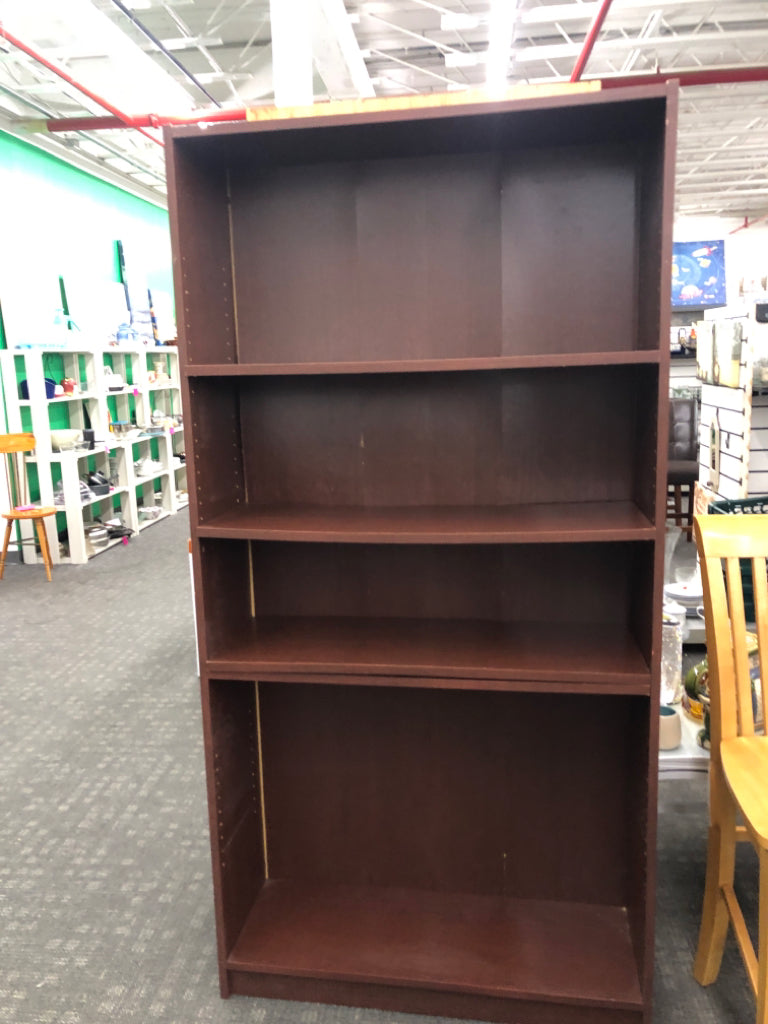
pixel 144 523
pixel 93 551
pixel 91 408
pixel 689 758
pixel 104 497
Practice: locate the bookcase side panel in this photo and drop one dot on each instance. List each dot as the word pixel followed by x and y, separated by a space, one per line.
pixel 225 593
pixel 216 446
pixel 232 753
pixel 200 236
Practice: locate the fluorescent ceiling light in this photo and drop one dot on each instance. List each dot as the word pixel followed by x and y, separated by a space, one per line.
pixel 458 59
pixel 458 22
pixel 501 29
pixel 184 42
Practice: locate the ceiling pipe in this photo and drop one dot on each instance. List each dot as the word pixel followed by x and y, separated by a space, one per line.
pixel 712 76
pixel 590 40
pixel 164 50
pixel 706 76
pixel 748 224
pixel 61 73
pixel 80 124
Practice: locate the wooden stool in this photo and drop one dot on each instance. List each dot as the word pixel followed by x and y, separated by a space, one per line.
pixel 13 446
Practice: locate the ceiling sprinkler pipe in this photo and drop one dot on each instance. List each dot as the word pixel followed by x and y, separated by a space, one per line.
pixel 735 75
pixel 89 124
pixel 164 50
pixel 61 73
pixel 748 224
pixel 589 42
pixel 710 76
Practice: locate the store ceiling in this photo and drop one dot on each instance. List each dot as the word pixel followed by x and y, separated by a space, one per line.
pixel 189 57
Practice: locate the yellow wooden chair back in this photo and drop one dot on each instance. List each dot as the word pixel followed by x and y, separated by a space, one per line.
pixel 723 542
pixel 733 551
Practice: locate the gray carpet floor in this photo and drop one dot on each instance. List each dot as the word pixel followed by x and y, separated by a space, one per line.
pixel 105 893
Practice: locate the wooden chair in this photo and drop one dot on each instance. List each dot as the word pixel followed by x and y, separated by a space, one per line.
pixel 738 774
pixel 12 448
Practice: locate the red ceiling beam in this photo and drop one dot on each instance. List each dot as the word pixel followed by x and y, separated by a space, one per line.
pixel 61 73
pixel 589 42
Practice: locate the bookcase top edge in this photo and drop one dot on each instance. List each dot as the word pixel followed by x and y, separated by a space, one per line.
pixel 422 108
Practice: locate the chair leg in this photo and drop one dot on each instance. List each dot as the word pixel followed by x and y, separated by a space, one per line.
pixel 689 520
pixel 678 505
pixel 8 530
pixel 762 942
pixel 45 551
pixel 721 859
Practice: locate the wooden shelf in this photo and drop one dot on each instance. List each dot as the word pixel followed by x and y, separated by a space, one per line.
pixel 564 359
pixel 567 522
pixel 568 952
pixel 593 658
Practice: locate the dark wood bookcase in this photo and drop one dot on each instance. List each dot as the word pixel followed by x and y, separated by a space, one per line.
pixel 425 371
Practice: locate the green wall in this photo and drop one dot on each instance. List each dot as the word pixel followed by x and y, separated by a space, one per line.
pixel 58 221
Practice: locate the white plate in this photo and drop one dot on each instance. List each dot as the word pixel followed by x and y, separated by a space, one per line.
pixel 685 593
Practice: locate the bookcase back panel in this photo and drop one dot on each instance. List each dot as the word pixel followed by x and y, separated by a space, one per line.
pixel 480 254
pixel 449 791
pixel 393 259
pixel 511 583
pixel 491 438
pixel 569 253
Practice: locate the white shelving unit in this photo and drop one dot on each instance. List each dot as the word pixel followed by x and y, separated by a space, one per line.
pixel 688 759
pixel 149 393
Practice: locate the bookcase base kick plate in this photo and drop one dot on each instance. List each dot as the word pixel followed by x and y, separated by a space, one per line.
pixel 429 1003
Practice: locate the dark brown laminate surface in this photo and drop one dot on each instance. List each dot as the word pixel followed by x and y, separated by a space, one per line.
pixel 570 952
pixel 578 653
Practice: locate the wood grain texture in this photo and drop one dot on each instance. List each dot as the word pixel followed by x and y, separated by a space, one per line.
pixel 437 365
pixel 523 949
pixel 528 437
pixel 461 649
pixel 429 1002
pixel 739 758
pixel 445 791
pixel 428 521
pixel 554 523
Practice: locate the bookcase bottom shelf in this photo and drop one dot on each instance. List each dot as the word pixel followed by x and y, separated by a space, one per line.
pixel 452 954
